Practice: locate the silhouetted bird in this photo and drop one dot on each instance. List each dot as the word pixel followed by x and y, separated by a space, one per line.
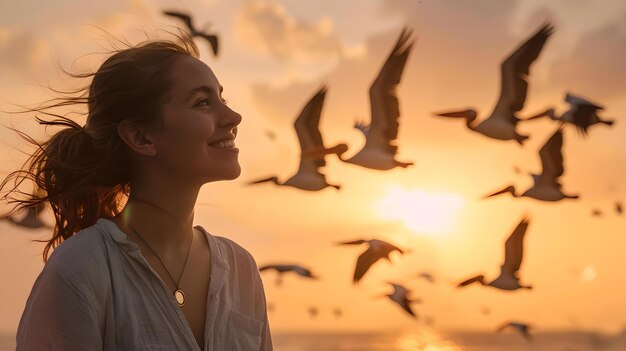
pixel 582 114
pixel 596 213
pixel 313 312
pixel 522 328
pixel 283 268
pixel 400 296
pixel 546 187
pixel 426 276
pixel 270 134
pixel 187 19
pixel 377 249
pixel 502 122
pixel 513 253
pixel 618 207
pixel 379 151
pixel 337 312
pixel 312 148
pixel 31 220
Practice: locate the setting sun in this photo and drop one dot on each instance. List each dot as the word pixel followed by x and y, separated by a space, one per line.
pixel 420 211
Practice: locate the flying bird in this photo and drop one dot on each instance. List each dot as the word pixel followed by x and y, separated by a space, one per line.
pixel 379 151
pixel 283 268
pixel 546 187
pixel 377 249
pixel 187 19
pixel 502 122
pixel 522 328
pixel 582 114
pixel 618 207
pixel 513 253
pixel 400 296
pixel 32 219
pixel 427 276
pixel 313 312
pixel 312 148
pixel 337 312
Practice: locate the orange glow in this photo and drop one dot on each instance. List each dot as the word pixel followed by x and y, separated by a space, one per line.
pixel 432 214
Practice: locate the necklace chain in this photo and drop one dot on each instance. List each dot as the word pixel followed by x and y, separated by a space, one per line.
pixel 179 298
pixel 159 258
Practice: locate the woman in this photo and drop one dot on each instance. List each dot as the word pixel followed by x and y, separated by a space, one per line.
pixel 141 277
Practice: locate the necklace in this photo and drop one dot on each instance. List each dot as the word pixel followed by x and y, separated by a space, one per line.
pixel 179 295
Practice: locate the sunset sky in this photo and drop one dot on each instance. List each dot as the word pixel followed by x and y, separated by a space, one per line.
pixel 276 54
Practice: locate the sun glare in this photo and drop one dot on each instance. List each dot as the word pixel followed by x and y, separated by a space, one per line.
pixel 421 212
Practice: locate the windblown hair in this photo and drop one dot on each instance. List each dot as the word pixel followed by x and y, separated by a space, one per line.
pixel 84 173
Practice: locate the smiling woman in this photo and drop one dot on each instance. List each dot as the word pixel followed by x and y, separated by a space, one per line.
pixel 423 213
pixel 142 276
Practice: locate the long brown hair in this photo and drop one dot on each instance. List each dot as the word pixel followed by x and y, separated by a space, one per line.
pixel 84 173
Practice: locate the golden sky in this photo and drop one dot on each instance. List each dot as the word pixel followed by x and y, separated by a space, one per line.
pixel 276 54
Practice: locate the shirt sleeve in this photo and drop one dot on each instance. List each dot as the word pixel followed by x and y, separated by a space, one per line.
pixel 261 308
pixel 60 314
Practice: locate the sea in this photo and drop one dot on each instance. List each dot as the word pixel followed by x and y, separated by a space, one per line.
pixel 431 340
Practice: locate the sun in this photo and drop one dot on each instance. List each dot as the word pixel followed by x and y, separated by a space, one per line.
pixel 422 212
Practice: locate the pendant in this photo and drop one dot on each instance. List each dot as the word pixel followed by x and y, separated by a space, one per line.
pixel 180 297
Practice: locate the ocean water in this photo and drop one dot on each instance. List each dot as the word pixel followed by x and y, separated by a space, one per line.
pixel 430 340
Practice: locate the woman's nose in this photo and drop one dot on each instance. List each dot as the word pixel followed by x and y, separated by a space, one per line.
pixel 232 118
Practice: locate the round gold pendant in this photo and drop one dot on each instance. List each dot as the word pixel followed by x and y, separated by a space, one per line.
pixel 180 297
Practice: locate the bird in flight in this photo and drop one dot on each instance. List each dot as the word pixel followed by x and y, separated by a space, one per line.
pixel 400 297
pixel 582 114
pixel 283 268
pixel 522 328
pixel 546 186
pixel 513 254
pixel 502 122
pixel 187 19
pixel 313 151
pixel 379 151
pixel 32 219
pixel 377 249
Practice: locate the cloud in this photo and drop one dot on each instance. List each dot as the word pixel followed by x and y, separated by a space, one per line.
pixel 450 64
pixel 595 66
pixel 20 50
pixel 266 27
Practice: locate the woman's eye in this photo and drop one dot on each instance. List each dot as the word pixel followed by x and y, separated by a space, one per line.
pixel 202 101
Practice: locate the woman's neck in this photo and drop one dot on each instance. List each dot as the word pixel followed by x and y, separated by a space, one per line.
pixel 160 225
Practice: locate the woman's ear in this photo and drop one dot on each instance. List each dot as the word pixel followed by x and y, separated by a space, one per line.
pixel 137 138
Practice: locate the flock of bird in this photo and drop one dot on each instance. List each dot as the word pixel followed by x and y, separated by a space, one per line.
pixel 379 153
pixel 380 150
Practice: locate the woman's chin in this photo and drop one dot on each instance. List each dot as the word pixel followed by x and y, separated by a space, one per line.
pixel 230 172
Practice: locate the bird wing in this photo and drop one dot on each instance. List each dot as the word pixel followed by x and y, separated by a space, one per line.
pixel 384 248
pixel 309 136
pixel 213 41
pixel 469 281
pixel 301 271
pixel 576 100
pixel 514 72
pixel 184 17
pixel 364 262
pixel 552 159
pixel 266 267
pixel 384 103
pixel 503 326
pixel 514 248
pixel 355 242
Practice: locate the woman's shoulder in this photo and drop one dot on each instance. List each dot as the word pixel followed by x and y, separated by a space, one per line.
pixel 231 251
pixel 81 255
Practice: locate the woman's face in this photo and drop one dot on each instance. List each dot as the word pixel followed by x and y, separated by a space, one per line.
pixel 196 118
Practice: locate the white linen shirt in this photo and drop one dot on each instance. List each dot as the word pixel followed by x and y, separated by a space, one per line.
pixel 97 292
